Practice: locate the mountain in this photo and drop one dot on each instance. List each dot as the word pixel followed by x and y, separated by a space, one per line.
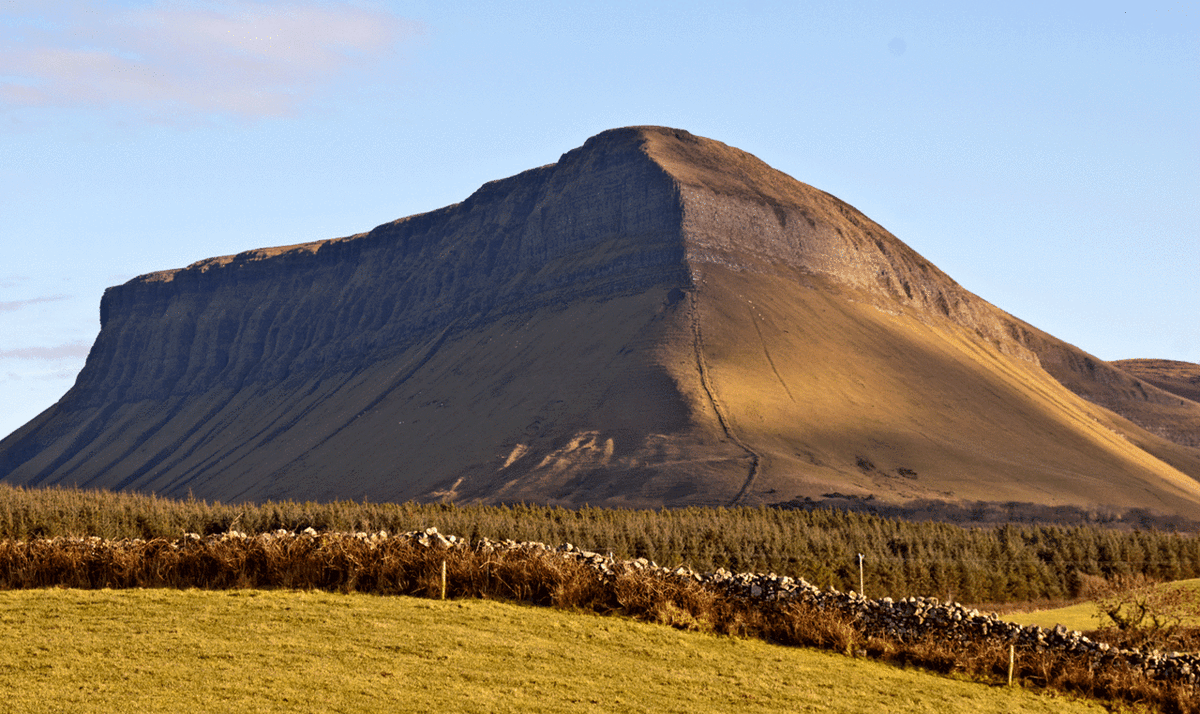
pixel 656 319
pixel 1179 378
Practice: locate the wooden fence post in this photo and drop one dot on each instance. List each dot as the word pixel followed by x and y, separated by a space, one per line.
pixel 861 586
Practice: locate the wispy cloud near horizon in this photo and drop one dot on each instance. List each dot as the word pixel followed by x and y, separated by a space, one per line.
pixel 67 350
pixel 181 60
pixel 13 305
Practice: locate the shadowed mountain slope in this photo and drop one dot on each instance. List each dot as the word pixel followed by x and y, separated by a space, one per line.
pixel 656 319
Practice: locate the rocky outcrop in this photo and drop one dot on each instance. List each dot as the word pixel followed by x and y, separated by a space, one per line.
pixel 655 319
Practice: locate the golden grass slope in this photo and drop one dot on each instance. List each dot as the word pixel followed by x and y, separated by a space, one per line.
pixel 1175 418
pixel 832 358
pixel 834 393
pixel 1181 378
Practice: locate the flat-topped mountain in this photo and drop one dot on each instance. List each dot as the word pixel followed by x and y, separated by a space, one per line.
pixel 655 319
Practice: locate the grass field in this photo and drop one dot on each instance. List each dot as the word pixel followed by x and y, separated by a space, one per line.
pixel 275 651
pixel 1083 616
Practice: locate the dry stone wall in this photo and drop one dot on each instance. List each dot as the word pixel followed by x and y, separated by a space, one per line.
pixel 905 619
pixel 233 559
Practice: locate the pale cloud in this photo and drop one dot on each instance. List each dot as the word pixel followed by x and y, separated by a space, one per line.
pixel 67 350
pixel 12 305
pixel 54 375
pixel 184 59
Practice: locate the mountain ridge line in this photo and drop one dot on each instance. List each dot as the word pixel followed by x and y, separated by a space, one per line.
pixel 540 340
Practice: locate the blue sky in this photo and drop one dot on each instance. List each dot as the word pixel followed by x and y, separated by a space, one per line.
pixel 1045 155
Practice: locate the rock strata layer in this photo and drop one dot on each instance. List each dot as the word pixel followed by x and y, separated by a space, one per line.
pixel 655 319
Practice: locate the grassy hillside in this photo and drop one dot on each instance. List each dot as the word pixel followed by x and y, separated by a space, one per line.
pixel 1182 378
pixel 1084 616
pixel 835 391
pixel 260 651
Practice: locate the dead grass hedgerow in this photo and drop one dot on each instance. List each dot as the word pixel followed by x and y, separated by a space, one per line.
pixel 403 566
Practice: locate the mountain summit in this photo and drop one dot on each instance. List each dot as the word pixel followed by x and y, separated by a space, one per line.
pixel 656 319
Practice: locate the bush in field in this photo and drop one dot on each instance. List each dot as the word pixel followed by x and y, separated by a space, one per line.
pixel 1145 612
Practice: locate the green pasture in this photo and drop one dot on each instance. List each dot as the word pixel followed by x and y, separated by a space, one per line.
pixel 1085 616
pixel 276 651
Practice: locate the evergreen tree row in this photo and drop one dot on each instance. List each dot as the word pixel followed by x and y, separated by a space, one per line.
pixel 1010 563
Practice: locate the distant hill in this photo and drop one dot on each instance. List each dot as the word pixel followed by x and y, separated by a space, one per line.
pixel 1181 378
pixel 656 319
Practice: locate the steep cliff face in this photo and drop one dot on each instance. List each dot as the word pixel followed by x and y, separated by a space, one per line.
pixel 600 222
pixel 231 372
pixel 655 319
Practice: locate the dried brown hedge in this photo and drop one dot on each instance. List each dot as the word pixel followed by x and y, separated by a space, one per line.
pixel 406 566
